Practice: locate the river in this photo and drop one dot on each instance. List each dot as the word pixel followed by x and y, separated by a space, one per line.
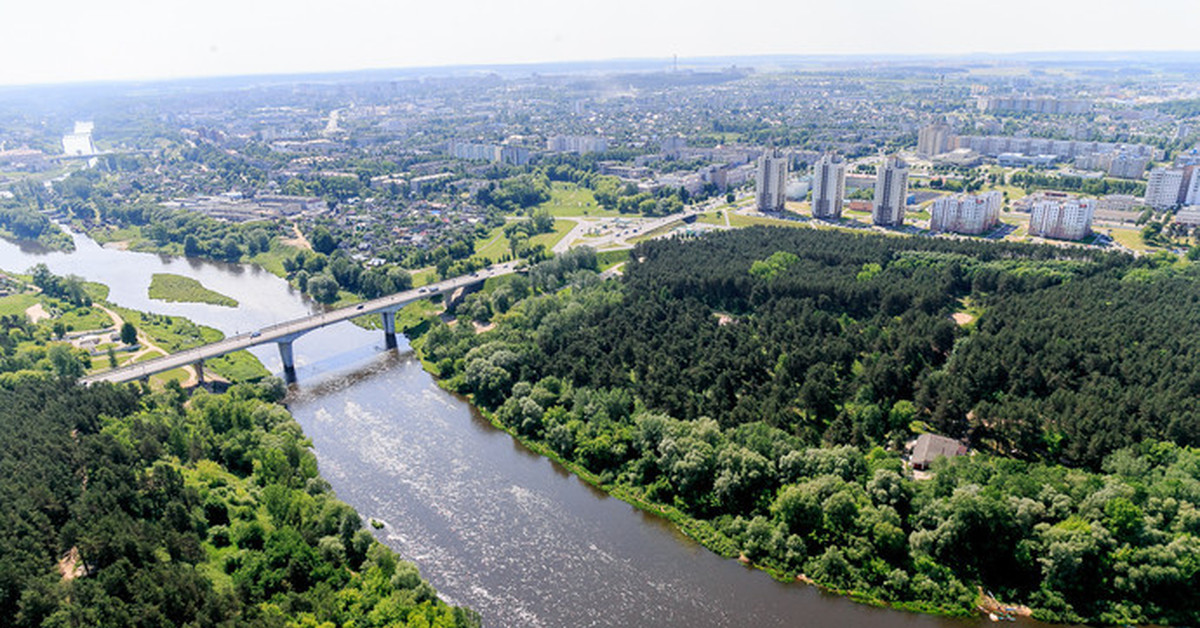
pixel 492 525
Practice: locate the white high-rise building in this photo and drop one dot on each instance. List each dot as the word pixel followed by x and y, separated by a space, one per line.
pixel 968 214
pixel 1069 219
pixel 1162 187
pixel 1192 196
pixel 935 139
pixel 891 193
pixel 828 186
pixel 771 181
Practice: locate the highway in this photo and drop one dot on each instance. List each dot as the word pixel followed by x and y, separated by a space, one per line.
pixel 284 333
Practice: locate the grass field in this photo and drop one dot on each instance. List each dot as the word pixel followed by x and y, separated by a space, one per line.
pixel 568 200
pixel 1131 238
pixel 654 233
pixel 16 304
pixel 495 244
pixel 739 220
pixel 180 289
pixel 241 366
pixel 172 333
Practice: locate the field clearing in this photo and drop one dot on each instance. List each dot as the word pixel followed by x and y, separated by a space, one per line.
pixel 179 289
pixel 568 200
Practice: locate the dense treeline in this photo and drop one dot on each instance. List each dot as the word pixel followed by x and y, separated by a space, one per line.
pixel 121 508
pixel 738 379
pixel 1096 187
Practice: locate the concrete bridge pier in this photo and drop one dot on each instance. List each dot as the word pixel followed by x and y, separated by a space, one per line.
pixel 389 329
pixel 199 372
pixel 289 361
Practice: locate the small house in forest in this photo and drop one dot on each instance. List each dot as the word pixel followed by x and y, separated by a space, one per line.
pixel 929 447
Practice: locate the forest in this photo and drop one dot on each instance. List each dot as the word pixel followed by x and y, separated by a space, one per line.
pixel 758 387
pixel 123 506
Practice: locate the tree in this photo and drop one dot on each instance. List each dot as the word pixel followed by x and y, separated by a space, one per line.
pixel 64 361
pixel 322 241
pixel 128 333
pixel 323 288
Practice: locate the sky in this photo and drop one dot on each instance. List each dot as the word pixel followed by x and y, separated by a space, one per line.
pixel 56 41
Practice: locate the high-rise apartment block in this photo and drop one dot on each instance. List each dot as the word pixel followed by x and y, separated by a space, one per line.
pixel 935 139
pixel 828 186
pixel 891 193
pixel 771 181
pixel 969 214
pixel 1163 187
pixel 581 144
pixel 1062 219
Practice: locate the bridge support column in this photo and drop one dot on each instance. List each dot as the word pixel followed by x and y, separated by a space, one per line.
pixel 199 372
pixel 289 361
pixel 389 329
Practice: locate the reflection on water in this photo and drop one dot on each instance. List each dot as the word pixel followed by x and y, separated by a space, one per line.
pixel 516 537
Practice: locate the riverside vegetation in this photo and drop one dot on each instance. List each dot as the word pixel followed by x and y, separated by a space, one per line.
pixel 757 386
pixel 125 507
pixel 177 288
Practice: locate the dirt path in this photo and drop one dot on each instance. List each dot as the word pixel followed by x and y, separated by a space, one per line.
pixel 148 347
pixel 36 313
pixel 297 240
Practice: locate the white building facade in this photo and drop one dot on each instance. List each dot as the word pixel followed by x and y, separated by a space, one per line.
pixel 968 214
pixel 891 193
pixel 828 186
pixel 1069 219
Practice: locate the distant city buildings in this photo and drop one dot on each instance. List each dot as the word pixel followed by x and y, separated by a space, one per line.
pixel 995 145
pixel 1023 104
pixel 828 186
pixel 891 193
pixel 502 153
pixel 935 139
pixel 1121 165
pixel 968 214
pixel 1062 218
pixel 1163 187
pixel 771 181
pixel 79 143
pixel 581 144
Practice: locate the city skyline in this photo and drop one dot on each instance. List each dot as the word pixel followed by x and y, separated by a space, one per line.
pixel 70 41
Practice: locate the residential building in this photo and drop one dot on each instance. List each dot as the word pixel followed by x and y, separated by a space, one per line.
pixel 1068 219
pixel 1035 105
pixel 935 139
pixel 770 181
pixel 891 193
pixel 581 144
pixel 930 447
pixel 1163 187
pixel 1192 193
pixel 828 186
pixel 969 214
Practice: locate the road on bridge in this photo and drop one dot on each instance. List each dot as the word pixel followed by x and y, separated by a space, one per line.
pixel 286 332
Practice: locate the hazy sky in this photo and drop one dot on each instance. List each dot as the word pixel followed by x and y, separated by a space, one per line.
pixel 45 41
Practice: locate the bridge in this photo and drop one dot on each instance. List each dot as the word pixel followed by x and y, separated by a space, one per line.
pixel 284 334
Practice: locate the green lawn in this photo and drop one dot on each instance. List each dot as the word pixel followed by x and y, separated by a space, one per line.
pixel 561 228
pixel 172 333
pixel 494 246
pixel 240 366
pixel 568 200
pixel 739 220
pixel 711 218
pixel 179 289
pixel 1131 238
pixel 16 304
pixel 491 247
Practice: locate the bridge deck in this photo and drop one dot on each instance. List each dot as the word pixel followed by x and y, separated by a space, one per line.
pixel 290 330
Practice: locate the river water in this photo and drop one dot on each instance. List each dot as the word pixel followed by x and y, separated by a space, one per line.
pixel 491 525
